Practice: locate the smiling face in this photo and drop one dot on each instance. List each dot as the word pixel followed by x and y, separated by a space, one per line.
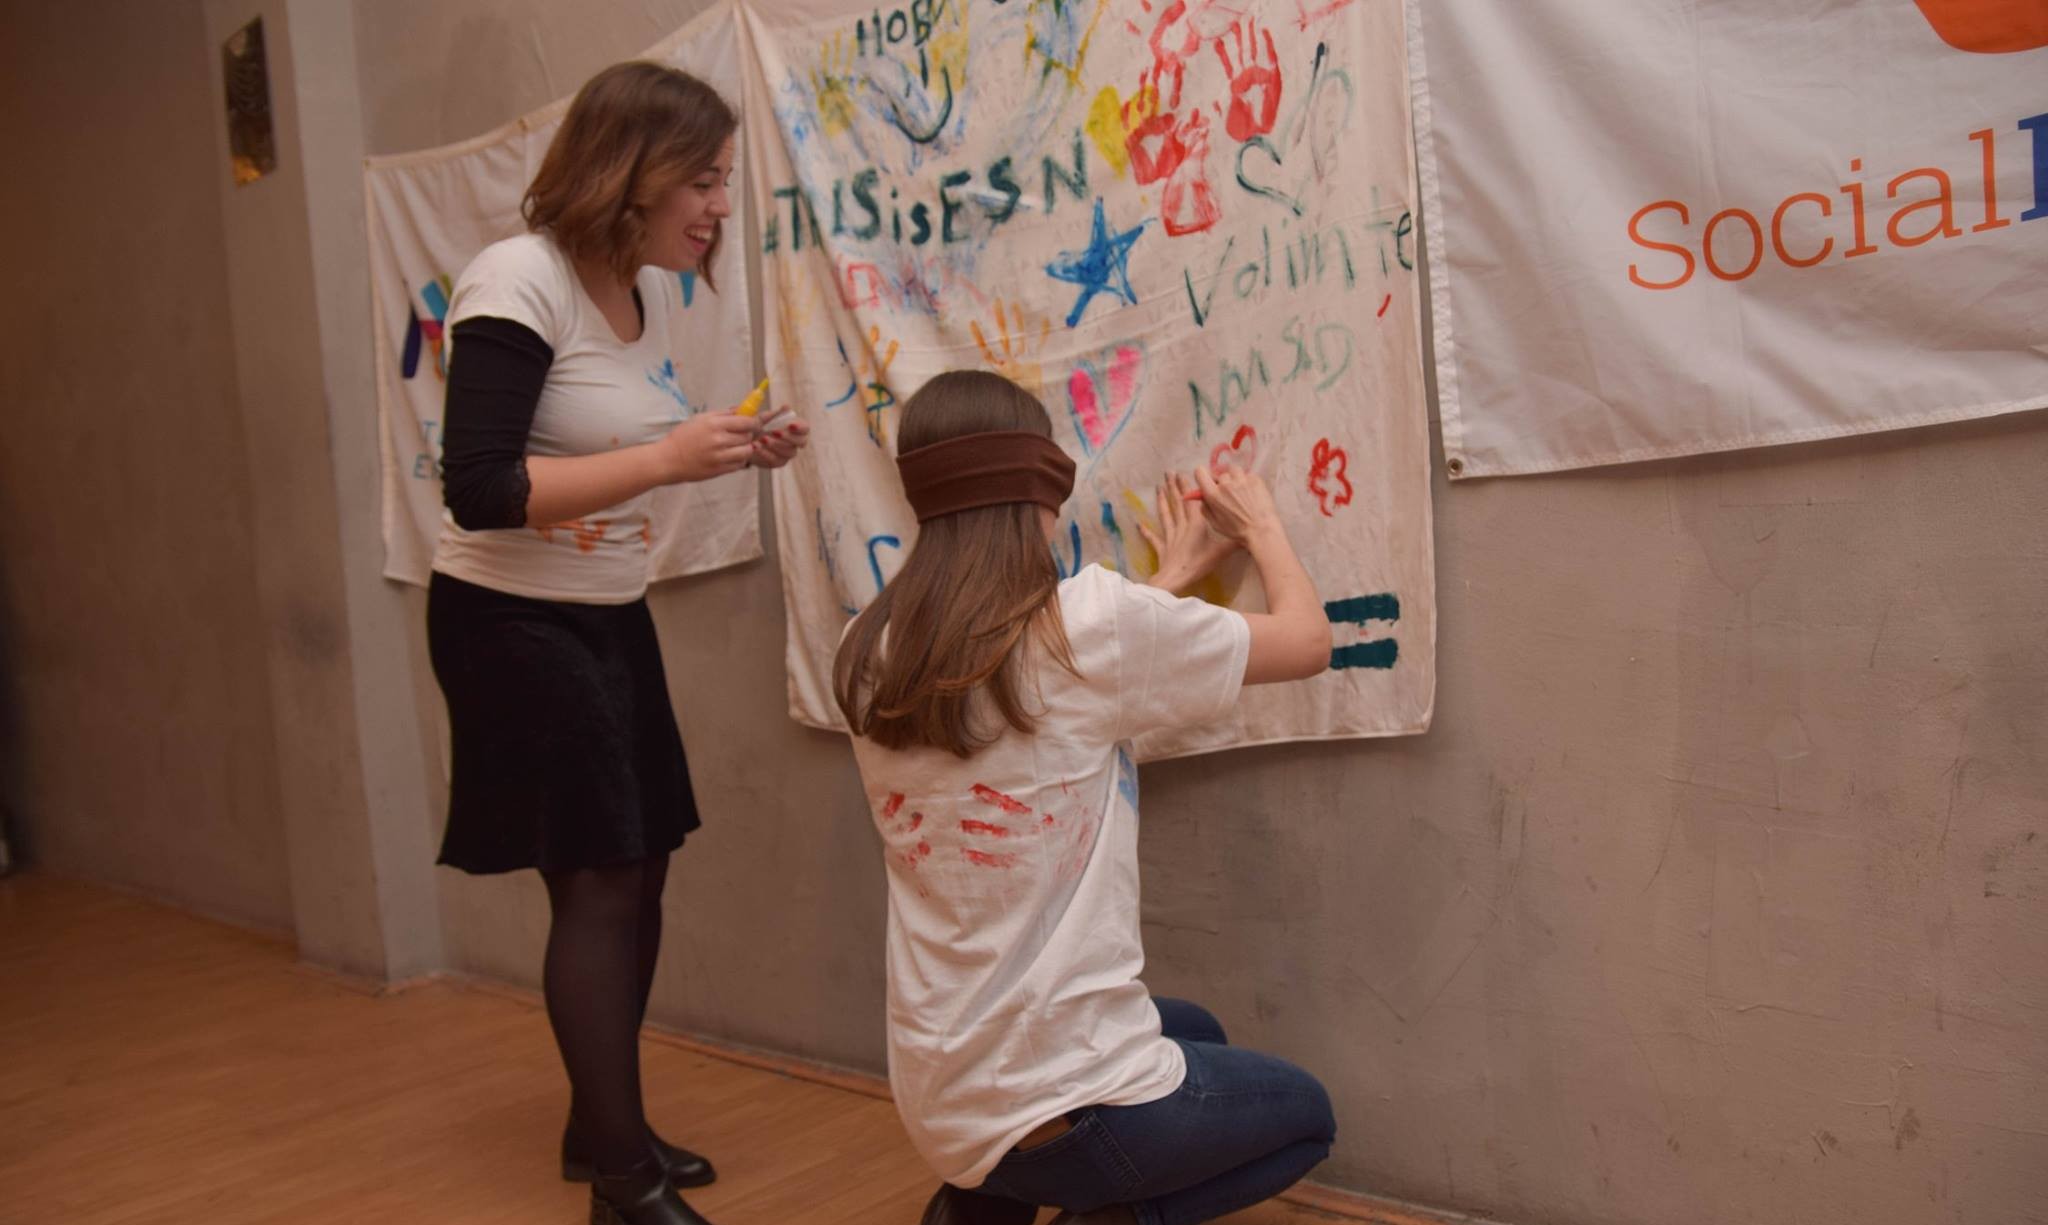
pixel 683 226
pixel 636 173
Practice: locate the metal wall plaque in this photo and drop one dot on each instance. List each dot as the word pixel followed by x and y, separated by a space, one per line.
pixel 252 148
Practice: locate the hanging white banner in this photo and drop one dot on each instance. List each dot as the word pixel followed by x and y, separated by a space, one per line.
pixel 1662 227
pixel 1186 226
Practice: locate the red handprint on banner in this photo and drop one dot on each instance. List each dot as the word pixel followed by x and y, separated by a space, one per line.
pixel 1157 144
pixel 1173 39
pixel 1254 80
pixel 1174 148
pixel 1165 146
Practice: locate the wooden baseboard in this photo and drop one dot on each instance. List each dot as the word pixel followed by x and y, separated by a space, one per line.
pixel 1347 1205
pixel 867 1084
pixel 1353 1206
pixel 26 875
pixel 365 984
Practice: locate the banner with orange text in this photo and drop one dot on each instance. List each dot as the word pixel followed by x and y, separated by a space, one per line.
pixel 1664 227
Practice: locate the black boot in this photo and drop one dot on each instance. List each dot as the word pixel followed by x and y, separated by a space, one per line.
pixel 640 1196
pixel 950 1205
pixel 685 1168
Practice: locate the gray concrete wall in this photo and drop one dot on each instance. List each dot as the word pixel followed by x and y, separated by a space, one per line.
pixel 139 747
pixel 208 696
pixel 1715 894
pixel 349 764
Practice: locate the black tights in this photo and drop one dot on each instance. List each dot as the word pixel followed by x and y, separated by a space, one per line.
pixel 602 947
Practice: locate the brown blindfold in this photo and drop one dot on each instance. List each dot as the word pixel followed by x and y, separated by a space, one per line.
pixel 985 470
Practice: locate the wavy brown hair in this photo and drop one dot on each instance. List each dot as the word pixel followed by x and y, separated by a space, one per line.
pixel 634 133
pixel 978 591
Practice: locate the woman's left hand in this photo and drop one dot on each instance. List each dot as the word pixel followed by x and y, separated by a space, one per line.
pixel 780 445
pixel 1187 550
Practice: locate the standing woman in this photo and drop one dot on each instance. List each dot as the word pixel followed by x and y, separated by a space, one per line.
pixel 559 424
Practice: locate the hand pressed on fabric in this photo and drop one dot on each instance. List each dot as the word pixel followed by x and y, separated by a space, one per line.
pixel 1291 641
pixel 1187 549
pixel 1238 505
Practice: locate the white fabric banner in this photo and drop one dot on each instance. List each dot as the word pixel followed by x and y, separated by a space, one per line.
pixel 1186 225
pixel 1661 227
pixel 430 212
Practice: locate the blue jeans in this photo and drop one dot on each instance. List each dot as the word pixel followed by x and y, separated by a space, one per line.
pixel 1242 1128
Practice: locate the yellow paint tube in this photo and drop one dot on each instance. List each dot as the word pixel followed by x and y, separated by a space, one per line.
pixel 752 404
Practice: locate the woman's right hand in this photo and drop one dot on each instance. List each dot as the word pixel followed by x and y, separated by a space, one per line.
pixel 1238 505
pixel 705 446
pixel 1291 640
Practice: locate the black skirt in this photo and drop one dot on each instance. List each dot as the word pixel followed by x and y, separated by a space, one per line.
pixel 565 751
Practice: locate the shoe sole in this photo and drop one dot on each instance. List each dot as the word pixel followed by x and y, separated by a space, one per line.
pixel 579 1172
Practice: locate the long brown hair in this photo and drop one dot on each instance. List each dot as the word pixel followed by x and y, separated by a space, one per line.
pixel 634 133
pixel 978 589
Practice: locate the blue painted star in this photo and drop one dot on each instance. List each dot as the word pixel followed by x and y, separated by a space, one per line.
pixel 1099 268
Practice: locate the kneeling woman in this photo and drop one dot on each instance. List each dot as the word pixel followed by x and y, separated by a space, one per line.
pixel 993 705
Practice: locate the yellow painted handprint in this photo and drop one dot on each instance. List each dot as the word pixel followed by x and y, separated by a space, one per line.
pixel 832 83
pixel 1018 340
pixel 948 46
pixel 877 357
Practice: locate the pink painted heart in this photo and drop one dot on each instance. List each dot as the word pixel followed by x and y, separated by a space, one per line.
pixel 1241 452
pixel 1102 391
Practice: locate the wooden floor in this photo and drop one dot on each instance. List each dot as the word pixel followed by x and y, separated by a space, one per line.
pixel 156 1067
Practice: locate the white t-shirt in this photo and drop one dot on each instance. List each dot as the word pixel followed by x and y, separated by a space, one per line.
pixel 601 394
pixel 1014 951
